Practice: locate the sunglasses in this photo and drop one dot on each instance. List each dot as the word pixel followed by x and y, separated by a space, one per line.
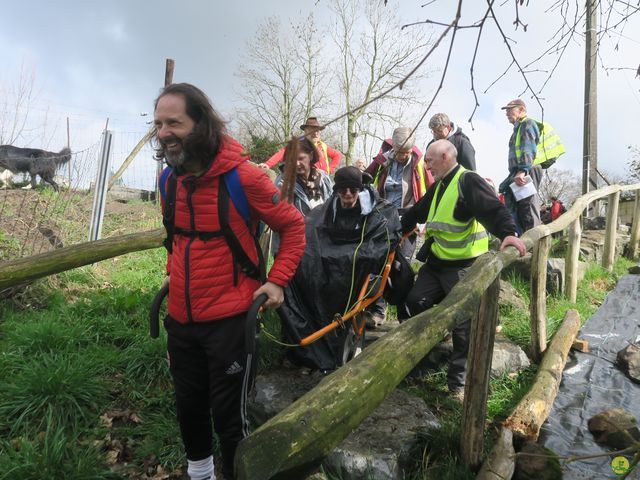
pixel 344 190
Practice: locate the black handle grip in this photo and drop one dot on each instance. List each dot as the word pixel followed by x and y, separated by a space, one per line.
pixel 154 313
pixel 251 330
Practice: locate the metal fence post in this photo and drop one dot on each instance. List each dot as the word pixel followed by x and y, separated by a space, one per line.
pixel 100 192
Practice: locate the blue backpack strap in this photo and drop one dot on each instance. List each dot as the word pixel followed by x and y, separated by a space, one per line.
pixel 236 192
pixel 162 182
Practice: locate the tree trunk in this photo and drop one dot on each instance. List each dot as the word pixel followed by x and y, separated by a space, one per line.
pixel 538 306
pixel 534 408
pixel 27 269
pixel 634 242
pixel 608 256
pixel 572 260
pixel 474 411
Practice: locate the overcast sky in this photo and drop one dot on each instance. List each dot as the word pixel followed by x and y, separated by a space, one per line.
pixel 94 60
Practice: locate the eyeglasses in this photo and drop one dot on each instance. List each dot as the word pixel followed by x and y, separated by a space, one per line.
pixel 344 190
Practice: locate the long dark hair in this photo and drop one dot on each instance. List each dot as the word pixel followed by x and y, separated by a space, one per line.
pixel 305 145
pixel 209 129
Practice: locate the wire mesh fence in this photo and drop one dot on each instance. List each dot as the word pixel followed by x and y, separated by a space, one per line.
pixel 33 221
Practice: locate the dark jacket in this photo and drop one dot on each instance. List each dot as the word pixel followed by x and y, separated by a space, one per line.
pixel 466 152
pixel 477 200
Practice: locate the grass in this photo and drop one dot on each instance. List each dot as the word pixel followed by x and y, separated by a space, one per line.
pixel 76 357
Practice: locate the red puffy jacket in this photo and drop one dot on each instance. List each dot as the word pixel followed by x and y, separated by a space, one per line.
pixel 201 286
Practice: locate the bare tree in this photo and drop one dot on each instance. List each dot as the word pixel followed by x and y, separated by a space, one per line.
pixel 16 101
pixel 565 185
pixel 374 54
pixel 282 78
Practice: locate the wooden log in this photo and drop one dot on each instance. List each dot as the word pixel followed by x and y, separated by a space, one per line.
pixel 26 269
pixel 634 242
pixel 474 411
pixel 534 408
pixel 501 462
pixel 608 256
pixel 571 261
pixel 315 424
pixel 538 304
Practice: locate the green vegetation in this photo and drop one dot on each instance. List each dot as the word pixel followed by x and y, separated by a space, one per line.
pixel 87 394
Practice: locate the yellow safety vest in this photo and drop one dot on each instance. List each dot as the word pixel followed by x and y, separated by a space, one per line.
pixel 549 145
pixel 453 239
pixel 422 182
pixel 327 160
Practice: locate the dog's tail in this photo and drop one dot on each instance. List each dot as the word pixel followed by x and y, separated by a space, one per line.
pixel 63 156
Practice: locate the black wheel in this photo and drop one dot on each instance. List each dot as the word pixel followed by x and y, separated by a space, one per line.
pixel 350 344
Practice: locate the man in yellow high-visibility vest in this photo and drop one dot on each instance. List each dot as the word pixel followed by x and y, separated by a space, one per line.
pixel 458 210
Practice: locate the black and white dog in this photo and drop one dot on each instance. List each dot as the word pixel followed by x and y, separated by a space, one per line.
pixel 34 162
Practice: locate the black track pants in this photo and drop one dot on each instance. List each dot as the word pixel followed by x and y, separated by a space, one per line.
pixel 212 376
pixel 430 288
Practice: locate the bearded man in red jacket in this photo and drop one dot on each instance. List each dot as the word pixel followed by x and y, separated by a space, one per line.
pixel 210 286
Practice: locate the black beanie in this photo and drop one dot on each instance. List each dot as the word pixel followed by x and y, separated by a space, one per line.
pixel 347 177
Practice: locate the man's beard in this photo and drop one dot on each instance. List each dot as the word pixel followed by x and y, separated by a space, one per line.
pixel 176 160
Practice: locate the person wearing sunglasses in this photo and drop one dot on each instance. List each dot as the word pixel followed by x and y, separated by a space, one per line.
pixel 349 237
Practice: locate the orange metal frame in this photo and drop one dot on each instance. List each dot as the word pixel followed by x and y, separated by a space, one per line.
pixel 359 306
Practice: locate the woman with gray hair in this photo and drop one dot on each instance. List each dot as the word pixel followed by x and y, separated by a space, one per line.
pixel 443 128
pixel 402 179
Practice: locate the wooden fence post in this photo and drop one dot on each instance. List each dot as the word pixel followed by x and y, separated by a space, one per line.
pixel 634 242
pixel 483 332
pixel 572 260
pixel 538 306
pixel 608 257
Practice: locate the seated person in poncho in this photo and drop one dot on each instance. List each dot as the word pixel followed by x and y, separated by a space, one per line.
pixel 348 238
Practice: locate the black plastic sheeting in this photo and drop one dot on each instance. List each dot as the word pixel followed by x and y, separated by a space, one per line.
pixel 323 282
pixel 592 383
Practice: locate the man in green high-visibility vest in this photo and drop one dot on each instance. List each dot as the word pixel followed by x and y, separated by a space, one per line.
pixel 523 146
pixel 458 210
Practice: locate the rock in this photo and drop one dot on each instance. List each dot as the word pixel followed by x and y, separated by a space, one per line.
pixel 317 476
pixel 510 296
pixel 635 270
pixel 592 245
pixel 378 449
pixel 126 194
pixel 628 359
pixel 555 268
pixel 507 358
pixel 594 223
pixel 556 275
pixel 540 464
pixel 276 390
pixel 615 428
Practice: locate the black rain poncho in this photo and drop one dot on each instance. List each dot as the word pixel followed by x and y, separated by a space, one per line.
pixel 327 281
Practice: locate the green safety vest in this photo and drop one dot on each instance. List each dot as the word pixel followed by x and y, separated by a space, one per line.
pixel 453 239
pixel 549 147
